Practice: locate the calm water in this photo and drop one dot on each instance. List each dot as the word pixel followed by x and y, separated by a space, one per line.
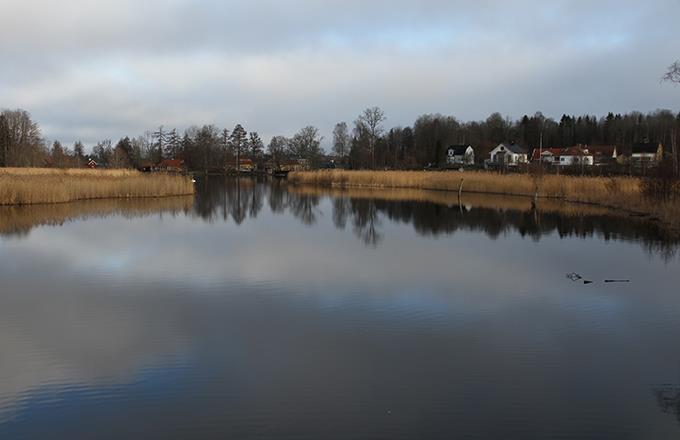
pixel 259 311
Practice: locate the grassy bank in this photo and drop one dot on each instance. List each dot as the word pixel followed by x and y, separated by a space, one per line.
pixel 27 186
pixel 622 193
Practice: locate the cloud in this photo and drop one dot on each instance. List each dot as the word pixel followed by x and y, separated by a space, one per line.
pixel 108 69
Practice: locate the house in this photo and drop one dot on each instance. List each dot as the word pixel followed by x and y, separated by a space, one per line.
pixel 575 156
pixel 509 154
pixel 91 164
pixel 294 165
pixel 646 154
pixel 171 166
pixel 548 156
pixel 244 165
pixel 460 155
pixel 604 154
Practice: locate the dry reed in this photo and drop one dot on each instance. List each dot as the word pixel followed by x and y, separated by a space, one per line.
pixel 26 186
pixel 622 193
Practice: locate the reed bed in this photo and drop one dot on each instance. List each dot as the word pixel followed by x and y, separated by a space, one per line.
pixel 621 193
pixel 567 187
pixel 27 186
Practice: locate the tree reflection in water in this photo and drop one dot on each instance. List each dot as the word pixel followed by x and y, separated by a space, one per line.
pixel 365 210
pixel 429 213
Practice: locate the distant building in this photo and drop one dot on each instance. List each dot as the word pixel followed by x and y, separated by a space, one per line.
pixel 172 166
pixel 575 156
pixel 91 164
pixel 460 155
pixel 548 156
pixel 509 154
pixel 646 154
pixel 244 165
pixel 294 165
pixel 604 154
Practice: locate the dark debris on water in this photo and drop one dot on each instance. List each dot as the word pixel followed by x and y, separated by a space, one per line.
pixel 575 277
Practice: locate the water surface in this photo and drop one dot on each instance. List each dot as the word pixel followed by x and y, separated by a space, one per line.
pixel 259 310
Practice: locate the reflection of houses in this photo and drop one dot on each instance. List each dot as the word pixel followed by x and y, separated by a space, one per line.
pixel 508 154
pixel 460 155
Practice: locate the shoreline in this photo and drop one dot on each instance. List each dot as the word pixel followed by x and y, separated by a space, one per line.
pixel 622 194
pixel 42 186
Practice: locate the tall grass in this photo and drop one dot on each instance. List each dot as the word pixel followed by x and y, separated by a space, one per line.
pixel 623 193
pixel 26 186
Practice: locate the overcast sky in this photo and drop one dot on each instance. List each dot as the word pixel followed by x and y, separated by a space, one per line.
pixel 108 68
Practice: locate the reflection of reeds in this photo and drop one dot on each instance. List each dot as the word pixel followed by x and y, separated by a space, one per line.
pixel 617 192
pixel 448 198
pixel 21 219
pixel 24 186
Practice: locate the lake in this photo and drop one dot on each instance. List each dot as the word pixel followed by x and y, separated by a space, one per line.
pixel 262 310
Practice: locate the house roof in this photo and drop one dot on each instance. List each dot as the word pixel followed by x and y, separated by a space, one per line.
pixel 645 148
pixel 514 148
pixel 576 151
pixel 602 150
pixel 546 152
pixel 459 150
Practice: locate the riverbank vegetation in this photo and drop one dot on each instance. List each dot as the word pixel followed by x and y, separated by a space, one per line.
pixel 25 186
pixel 629 194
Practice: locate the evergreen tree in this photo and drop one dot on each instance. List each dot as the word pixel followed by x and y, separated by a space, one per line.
pixel 255 145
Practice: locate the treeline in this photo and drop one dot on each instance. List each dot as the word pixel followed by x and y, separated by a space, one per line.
pixel 364 144
pixel 201 148
pixel 370 145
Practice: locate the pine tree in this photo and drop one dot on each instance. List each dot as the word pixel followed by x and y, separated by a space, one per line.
pixel 255 145
pixel 238 142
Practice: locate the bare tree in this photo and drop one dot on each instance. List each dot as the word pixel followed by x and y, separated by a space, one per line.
pixel 306 144
pixel 341 140
pixel 22 143
pixel 673 73
pixel 277 148
pixel 371 121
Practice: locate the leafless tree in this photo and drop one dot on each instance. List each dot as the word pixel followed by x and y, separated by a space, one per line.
pixel 341 140
pixel 21 143
pixel 371 121
pixel 673 73
pixel 306 144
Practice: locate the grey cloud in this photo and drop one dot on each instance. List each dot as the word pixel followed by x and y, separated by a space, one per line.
pixel 107 69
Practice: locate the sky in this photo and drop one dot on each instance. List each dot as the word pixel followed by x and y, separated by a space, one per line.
pixel 94 70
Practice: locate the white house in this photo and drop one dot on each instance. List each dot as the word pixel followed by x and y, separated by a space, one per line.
pixel 576 156
pixel 460 155
pixel 646 153
pixel 508 154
